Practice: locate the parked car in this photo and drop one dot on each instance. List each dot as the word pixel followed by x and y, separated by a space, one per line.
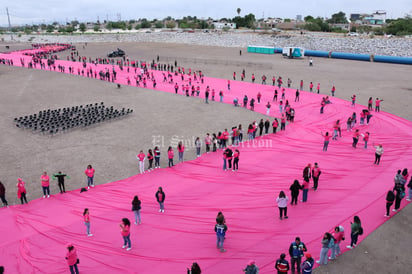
pixel 353 34
pixel 116 53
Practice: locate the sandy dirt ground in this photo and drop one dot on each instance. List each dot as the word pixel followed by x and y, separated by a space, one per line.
pixel 111 147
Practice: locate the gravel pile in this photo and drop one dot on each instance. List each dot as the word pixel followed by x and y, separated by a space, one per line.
pixel 312 41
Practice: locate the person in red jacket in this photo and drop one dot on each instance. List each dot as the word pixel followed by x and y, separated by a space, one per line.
pixel 72 259
pixel 275 125
pixel 282 265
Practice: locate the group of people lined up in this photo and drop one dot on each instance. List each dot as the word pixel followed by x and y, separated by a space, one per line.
pixel 45 185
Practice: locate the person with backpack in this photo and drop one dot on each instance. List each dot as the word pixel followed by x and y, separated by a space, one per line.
pixel 399 191
pixel 282 265
pixel 220 229
pixel 307 265
pixel 296 250
pixel 327 243
pixel 355 230
pixel 251 268
pixel 390 198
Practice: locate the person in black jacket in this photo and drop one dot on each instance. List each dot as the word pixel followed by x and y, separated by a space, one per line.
pixel 3 194
pixel 160 197
pixel 136 207
pixel 390 197
pixel 294 189
pixel 261 125
pixel 399 191
pixel 60 179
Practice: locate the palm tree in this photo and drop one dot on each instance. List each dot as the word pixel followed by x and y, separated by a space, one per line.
pixel 238 10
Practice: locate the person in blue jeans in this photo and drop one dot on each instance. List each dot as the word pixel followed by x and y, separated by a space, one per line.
pixel 296 250
pixel 326 241
pixel 220 229
pixel 160 197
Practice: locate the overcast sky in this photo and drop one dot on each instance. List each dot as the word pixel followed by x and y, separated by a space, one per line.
pixel 47 11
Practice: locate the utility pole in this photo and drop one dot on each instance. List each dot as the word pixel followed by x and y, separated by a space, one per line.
pixel 8 17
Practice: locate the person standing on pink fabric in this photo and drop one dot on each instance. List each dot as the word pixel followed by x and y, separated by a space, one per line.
pixel 21 191
pixel 282 202
pixel 45 183
pixel 90 176
pixel 141 157
pixel 236 160
pixel 86 219
pixel 377 104
pixel 125 232
pixel 160 197
pixel 72 259
pixel 170 155
pixel 315 175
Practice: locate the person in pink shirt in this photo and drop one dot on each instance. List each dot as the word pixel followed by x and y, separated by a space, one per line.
pixel 125 232
pixel 259 96
pixel 21 191
pixel 268 108
pixel 141 157
pixel 318 88
pixel 353 100
pixel 86 219
pixel 180 150
pixel 225 138
pixel 208 142
pixel 236 160
pixel 366 139
pixel 338 235
pixel 90 175
pixel 45 184
pixel 275 125
pixel 72 259
pixel 377 104
pixel 326 141
pixel 370 102
pixel 170 155
pixel 315 175
pixel 150 158
pixel 355 138
pixel 333 91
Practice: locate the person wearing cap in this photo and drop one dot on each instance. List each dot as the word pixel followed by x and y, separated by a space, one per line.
pixel 251 268
pixel 72 259
pixel 296 250
pixel 282 265
pixel 307 265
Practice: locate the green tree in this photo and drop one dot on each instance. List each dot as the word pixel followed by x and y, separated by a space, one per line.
pixel 286 20
pixel 50 28
pixel 309 18
pixel 400 26
pixel 158 25
pixel 138 26
pixel 145 24
pixel 338 18
pixel 171 25
pixel 96 28
pixel 82 27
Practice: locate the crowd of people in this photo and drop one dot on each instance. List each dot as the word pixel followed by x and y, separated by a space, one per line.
pixel 301 261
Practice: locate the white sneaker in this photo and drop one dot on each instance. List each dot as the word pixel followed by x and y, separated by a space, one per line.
pixel 44 196
pixel 124 246
pixel 394 210
pixel 135 223
pixel 92 185
pixel 163 210
pixel 385 215
pixel 88 187
pixel 160 210
pixel 408 199
pixel 48 196
pixel 350 247
pixel 128 249
pixel 89 235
